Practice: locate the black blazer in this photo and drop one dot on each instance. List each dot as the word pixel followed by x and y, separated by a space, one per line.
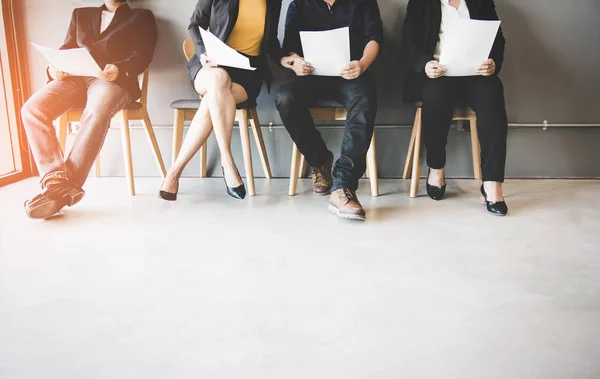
pixel 421 34
pixel 128 42
pixel 220 17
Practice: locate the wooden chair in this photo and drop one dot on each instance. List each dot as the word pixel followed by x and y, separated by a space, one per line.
pixel 331 111
pixel 185 110
pixel 412 169
pixel 134 111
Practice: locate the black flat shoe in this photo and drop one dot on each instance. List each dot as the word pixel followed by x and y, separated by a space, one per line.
pixel 238 192
pixel 436 193
pixel 53 199
pixel 168 196
pixel 499 209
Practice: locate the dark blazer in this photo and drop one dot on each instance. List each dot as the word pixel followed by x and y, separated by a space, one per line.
pixel 421 34
pixel 128 42
pixel 220 17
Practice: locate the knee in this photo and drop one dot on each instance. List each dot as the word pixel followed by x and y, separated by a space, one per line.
pixel 218 79
pixel 32 114
pixel 285 98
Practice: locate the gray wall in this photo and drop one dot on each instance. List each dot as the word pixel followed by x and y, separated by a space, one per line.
pixel 550 74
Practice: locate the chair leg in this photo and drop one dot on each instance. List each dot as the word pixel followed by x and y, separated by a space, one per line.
pixel 475 149
pixel 242 118
pixel 411 146
pixel 153 142
pixel 61 132
pixel 203 158
pixel 372 165
pixel 126 141
pixel 296 156
pixel 416 166
pixel 260 143
pixel 97 167
pixel 178 123
pixel 303 167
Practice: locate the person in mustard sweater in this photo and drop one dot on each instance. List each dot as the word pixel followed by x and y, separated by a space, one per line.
pixel 250 27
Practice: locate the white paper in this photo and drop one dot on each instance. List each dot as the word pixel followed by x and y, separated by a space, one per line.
pixel 467 45
pixel 75 62
pixel 222 54
pixel 327 51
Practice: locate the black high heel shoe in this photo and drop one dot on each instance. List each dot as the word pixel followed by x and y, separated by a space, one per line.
pixel 168 196
pixel 238 192
pixel 436 193
pixel 499 209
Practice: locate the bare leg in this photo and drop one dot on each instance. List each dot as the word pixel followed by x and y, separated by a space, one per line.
pixel 437 177
pixel 493 191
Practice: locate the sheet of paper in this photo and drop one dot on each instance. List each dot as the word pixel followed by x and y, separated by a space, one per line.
pixel 76 62
pixel 467 45
pixel 327 51
pixel 222 54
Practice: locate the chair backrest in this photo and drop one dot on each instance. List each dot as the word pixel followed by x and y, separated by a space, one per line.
pixel 143 79
pixel 188 48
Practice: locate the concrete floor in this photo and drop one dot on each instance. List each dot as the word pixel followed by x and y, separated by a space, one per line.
pixel 276 287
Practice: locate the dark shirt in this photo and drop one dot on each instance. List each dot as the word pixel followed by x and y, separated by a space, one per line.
pixel 361 16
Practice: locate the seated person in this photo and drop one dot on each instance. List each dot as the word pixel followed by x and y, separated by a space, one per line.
pixel 355 89
pixel 122 41
pixel 249 27
pixel 427 21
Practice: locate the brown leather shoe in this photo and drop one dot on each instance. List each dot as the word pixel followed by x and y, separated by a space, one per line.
pixel 344 203
pixel 53 199
pixel 322 179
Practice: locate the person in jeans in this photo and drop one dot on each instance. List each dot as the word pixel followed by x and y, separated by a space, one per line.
pixel 122 41
pixel 354 88
pixel 426 25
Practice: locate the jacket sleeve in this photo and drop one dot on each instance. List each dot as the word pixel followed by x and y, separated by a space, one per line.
pixel 141 57
pixel 291 39
pixel 411 43
pixel 497 53
pixel 71 38
pixel 200 18
pixel 274 47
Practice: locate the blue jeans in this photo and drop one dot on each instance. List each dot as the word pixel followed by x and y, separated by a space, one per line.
pixel 358 96
pixel 101 99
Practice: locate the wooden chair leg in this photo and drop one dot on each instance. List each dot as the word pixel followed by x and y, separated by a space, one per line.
pixel 242 118
pixel 126 141
pixel 61 132
pixel 260 143
pixel 303 166
pixel 178 123
pixel 97 167
pixel 416 166
pixel 372 165
pixel 411 147
pixel 153 142
pixel 203 158
pixel 294 170
pixel 475 149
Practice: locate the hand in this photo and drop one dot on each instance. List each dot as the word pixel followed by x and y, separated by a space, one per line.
pixel 434 69
pixel 488 68
pixel 110 73
pixel 352 70
pixel 57 74
pixel 207 62
pixel 297 64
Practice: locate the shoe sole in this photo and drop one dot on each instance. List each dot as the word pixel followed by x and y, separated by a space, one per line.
pixel 322 193
pixel 345 216
pixel 44 211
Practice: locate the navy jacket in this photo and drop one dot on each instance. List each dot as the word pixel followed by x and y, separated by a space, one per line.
pixel 421 35
pixel 128 42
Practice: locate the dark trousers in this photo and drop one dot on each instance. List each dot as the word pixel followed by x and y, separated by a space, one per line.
pixel 358 96
pixel 485 95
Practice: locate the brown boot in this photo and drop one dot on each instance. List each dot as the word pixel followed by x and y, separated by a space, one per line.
pixel 345 204
pixel 321 177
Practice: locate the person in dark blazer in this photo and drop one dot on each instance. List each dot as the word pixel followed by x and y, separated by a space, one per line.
pixel 250 27
pixel 122 41
pixel 427 22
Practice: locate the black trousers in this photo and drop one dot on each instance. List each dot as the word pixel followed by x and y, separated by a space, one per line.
pixel 358 96
pixel 485 95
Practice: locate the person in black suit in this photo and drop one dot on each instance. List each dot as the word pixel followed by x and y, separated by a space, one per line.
pixel 122 41
pixel 250 28
pixel 427 22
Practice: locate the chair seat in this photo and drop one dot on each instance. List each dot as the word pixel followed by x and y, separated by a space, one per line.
pixel 419 104
pixel 194 104
pixel 327 104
